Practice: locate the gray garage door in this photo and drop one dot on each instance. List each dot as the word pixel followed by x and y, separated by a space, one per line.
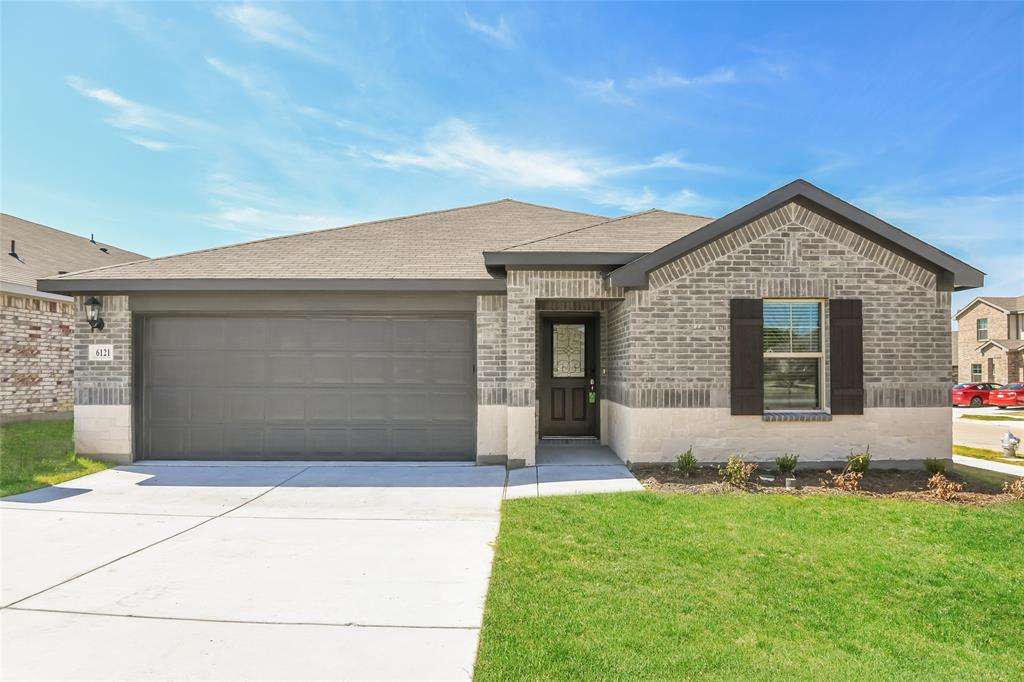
pixel 352 387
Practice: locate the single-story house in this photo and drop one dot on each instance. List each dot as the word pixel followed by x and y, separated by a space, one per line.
pixel 990 340
pixel 36 337
pixel 797 323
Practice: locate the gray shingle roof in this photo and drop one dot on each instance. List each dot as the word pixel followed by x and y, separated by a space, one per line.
pixel 1011 304
pixel 440 245
pixel 44 252
pixel 637 233
pixel 1008 344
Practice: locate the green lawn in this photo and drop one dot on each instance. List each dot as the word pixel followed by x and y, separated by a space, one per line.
pixel 981 453
pixel 738 586
pixel 992 418
pixel 37 454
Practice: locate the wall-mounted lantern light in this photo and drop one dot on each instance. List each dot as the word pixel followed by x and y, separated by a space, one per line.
pixel 93 306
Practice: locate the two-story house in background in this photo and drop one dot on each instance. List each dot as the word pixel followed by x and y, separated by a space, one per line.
pixel 990 340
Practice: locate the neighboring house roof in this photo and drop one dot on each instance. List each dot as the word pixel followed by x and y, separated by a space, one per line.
pixel 439 246
pixel 44 252
pixel 1006 344
pixel 635 273
pixel 1007 304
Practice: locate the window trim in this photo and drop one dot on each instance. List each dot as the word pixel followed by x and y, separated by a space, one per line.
pixel 978 330
pixel 979 379
pixel 822 405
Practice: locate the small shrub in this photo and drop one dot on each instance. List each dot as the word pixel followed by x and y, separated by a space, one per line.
pixel 935 466
pixel 686 463
pixel 787 464
pixel 846 479
pixel 944 488
pixel 1016 488
pixel 736 472
pixel 860 462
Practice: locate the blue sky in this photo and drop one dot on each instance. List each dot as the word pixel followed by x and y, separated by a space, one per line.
pixel 166 127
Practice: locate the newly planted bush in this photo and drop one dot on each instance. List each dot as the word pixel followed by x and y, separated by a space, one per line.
pixel 686 463
pixel 845 480
pixel 859 462
pixel 1016 488
pixel 935 466
pixel 736 472
pixel 787 464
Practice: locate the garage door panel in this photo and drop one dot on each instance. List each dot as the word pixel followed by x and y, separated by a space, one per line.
pixel 245 368
pixel 283 442
pixel 245 333
pixel 206 441
pixel 244 406
pixel 206 406
pixel 367 406
pixel 345 387
pixel 169 404
pixel 330 368
pixel 328 442
pixel 372 368
pixel 368 442
pixel 240 441
pixel 370 334
pixel 287 368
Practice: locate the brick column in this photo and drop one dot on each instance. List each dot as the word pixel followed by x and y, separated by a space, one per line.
pixel 491 388
pixel 521 368
pixel 103 388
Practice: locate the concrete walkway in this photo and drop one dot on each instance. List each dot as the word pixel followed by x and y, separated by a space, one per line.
pixel 571 470
pixel 1000 467
pixel 273 571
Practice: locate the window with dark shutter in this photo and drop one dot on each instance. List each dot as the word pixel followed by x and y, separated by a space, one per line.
pixel 846 345
pixel 746 357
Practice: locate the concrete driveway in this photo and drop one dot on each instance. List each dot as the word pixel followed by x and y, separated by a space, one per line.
pixel 277 571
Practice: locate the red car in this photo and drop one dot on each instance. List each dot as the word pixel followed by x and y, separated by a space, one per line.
pixel 974 395
pixel 1011 395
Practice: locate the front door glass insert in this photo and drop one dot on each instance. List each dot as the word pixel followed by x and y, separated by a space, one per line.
pixel 569 345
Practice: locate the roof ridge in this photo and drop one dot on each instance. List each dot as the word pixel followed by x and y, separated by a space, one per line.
pixel 72 234
pixel 323 230
pixel 604 222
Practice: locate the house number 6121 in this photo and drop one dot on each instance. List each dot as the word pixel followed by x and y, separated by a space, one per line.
pixel 104 352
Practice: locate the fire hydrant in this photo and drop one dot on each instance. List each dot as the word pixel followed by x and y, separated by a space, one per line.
pixel 1010 443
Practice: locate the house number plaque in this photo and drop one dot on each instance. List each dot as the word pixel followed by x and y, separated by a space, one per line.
pixel 104 352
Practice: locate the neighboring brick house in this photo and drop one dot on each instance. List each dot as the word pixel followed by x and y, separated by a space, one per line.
pixel 990 340
pixel 36 327
pixel 476 332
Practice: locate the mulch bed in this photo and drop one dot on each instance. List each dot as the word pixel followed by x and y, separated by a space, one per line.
pixel 891 483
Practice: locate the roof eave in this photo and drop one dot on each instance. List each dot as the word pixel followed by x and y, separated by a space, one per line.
pixel 129 286
pixel 634 274
pixel 496 259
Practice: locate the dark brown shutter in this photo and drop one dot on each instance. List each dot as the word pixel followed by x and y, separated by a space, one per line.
pixel 846 346
pixel 746 354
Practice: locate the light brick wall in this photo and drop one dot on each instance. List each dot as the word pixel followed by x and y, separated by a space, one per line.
pixel 35 356
pixel 676 350
pixel 967 343
pixel 104 382
pixel 491 386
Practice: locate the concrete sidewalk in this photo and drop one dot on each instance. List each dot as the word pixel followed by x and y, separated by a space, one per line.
pixel 571 470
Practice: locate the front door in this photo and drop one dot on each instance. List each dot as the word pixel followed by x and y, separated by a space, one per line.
pixel 568 376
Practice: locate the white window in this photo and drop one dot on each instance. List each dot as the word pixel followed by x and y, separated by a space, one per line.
pixel 982 329
pixel 793 358
pixel 976 372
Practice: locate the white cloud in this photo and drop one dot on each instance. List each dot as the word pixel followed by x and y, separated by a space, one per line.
pixel 249 82
pixel 627 200
pixel 273 28
pixel 604 90
pixel 252 209
pixel 664 79
pixel 499 33
pixel 131 115
pixel 150 144
pixel 456 146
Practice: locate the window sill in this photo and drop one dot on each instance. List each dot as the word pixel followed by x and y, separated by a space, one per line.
pixel 783 416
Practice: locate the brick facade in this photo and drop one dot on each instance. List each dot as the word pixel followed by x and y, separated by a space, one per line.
pixel 101 382
pixel 36 363
pixel 675 350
